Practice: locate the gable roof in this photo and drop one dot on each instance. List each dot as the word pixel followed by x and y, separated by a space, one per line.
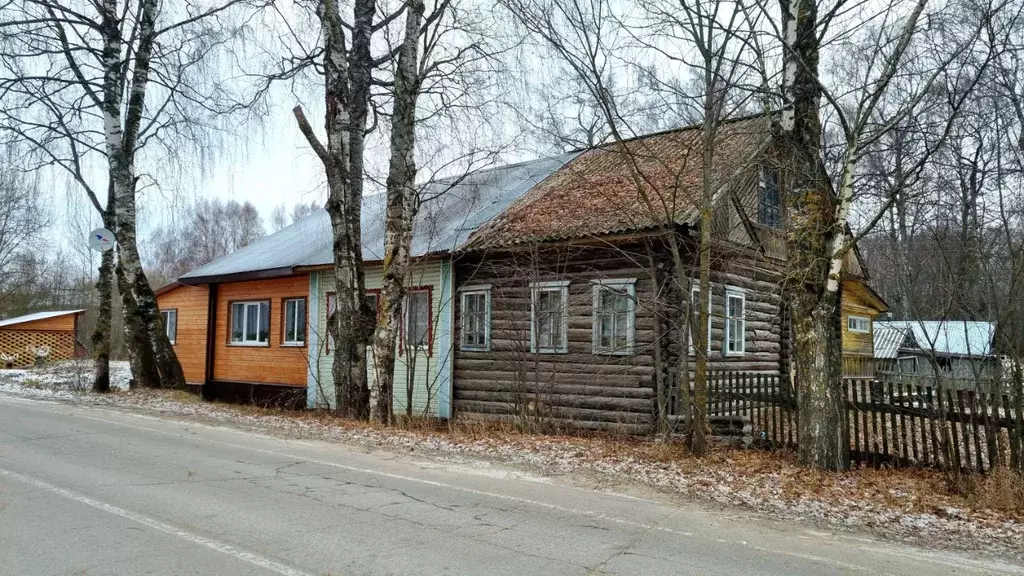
pixel 596 192
pixel 442 225
pixel 959 338
pixel 36 317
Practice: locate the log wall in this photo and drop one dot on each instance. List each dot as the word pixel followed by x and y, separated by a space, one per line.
pixel 599 390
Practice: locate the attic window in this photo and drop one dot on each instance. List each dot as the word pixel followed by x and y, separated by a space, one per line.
pixel 858 324
pixel 769 212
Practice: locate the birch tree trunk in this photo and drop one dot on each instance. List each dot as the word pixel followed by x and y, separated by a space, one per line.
pixel 402 206
pixel 811 226
pixel 140 352
pixel 347 83
pixel 101 334
pixel 120 151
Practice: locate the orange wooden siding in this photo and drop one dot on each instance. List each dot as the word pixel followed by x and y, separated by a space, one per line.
pixel 191 303
pixel 271 364
pixel 62 323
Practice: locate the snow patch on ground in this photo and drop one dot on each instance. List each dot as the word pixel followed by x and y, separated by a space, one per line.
pixel 62 380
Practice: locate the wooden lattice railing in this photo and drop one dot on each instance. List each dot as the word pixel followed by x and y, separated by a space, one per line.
pixel 24 342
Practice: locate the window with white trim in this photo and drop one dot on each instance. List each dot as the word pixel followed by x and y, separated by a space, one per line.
pixel 614 316
pixel 250 323
pixel 735 322
pixel 170 318
pixel 417 318
pixel 476 318
pixel 858 324
pixel 294 322
pixel 549 317
pixel 694 307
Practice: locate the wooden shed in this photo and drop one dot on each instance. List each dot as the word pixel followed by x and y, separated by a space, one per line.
pixel 22 336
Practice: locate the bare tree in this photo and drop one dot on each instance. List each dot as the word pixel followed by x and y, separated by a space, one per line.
pixel 818 219
pixel 89 86
pixel 22 218
pixel 205 231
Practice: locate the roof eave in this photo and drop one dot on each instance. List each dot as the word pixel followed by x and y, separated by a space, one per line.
pixel 238 276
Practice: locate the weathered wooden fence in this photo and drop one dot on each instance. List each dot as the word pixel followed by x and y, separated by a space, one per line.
pixel 895 423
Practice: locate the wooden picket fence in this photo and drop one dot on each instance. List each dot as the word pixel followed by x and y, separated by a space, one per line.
pixel 889 423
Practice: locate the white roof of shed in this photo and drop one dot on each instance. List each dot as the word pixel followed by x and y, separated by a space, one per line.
pixel 944 337
pixel 453 210
pixel 37 316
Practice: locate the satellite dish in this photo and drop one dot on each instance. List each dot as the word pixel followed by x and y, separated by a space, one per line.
pixel 101 239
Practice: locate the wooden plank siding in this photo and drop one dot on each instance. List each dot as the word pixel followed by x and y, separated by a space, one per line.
pixel 270 364
pixel 590 389
pixel 62 323
pixel 191 304
pixel 424 371
pixel 855 303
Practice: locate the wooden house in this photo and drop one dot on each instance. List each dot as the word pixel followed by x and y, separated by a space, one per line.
pixel 578 288
pixel 55 332
pixel 559 287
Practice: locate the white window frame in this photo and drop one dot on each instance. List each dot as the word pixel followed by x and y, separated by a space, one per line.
pixel 629 284
pixel 479 290
pixel 711 295
pixel 245 319
pixel 172 335
pixel 734 292
pixel 284 333
pixel 851 329
pixel 561 286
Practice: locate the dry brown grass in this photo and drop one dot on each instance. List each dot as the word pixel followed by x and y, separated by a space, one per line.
pixel 1000 489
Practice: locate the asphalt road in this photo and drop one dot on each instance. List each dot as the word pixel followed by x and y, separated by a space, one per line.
pixel 95 492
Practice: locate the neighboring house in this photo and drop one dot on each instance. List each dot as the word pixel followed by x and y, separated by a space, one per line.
pixel 277 292
pixel 954 349
pixel 56 332
pixel 545 288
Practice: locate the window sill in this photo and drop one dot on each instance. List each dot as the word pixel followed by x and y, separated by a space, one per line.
pixel 250 344
pixel 550 351
pixel 858 331
pixel 629 352
pixel 293 345
pixel 474 349
pixel 735 354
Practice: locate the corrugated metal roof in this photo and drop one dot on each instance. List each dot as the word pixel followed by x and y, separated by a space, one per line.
pixel 596 193
pixel 459 207
pixel 887 340
pixel 37 316
pixel 946 337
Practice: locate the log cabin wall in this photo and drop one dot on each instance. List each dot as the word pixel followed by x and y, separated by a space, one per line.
pixel 595 390
pixel 191 304
pixel 586 389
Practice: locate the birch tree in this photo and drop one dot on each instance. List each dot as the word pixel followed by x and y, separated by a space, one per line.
pixel 348 78
pixel 818 220
pixel 89 87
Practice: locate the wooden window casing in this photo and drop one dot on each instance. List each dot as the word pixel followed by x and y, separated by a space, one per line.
pixel 549 317
pixel 614 321
pixel 409 339
pixel 475 318
pixel 769 212
pixel 735 322
pixel 694 307
pixel 858 324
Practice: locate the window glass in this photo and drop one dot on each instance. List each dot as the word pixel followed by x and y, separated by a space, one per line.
pixel 417 318
pixel 614 316
pixel 549 319
pixel 475 319
pixel 170 318
pixel 295 321
pixel 695 318
pixel 769 211
pixel 858 324
pixel 735 324
pixel 250 322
